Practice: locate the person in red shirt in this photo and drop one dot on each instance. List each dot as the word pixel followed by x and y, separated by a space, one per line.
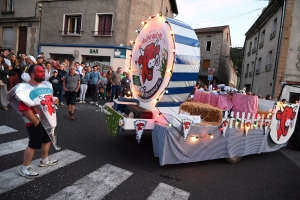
pixel 38 137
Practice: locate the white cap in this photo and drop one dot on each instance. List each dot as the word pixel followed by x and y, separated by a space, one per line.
pixel 31 58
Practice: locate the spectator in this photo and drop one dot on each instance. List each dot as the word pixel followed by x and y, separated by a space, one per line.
pixel 14 72
pixel 95 79
pixel 42 54
pixel 104 84
pixel 85 78
pixel 116 81
pixel 55 65
pixel 61 74
pixel 108 86
pixel 56 82
pixel 125 83
pixel 89 91
pixel 23 62
pixel 268 97
pixel 40 60
pixel 48 71
pixel 4 70
pixel 71 85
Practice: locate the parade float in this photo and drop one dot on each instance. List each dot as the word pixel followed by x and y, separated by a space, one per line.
pixel 164 68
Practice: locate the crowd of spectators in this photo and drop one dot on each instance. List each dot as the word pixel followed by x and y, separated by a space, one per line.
pixel 93 82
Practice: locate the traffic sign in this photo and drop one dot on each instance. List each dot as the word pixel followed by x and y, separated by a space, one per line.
pixel 211 70
pixel 210 77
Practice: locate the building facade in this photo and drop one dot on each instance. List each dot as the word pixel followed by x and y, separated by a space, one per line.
pixel 215 45
pixel 96 32
pixel 272 49
pixel 20 25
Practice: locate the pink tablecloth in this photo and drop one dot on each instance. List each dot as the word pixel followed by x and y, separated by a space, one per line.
pixel 244 103
pixel 221 101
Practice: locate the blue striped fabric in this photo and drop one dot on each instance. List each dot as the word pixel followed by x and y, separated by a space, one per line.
pixel 168 104
pixel 179 90
pixel 169 146
pixel 187 41
pixel 179 76
pixel 187 59
pixel 179 23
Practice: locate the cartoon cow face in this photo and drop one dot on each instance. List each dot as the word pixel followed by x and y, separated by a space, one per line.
pixel 47 102
pixel 285 117
pixel 148 59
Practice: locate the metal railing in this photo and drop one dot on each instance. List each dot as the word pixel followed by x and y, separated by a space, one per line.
pixel 268 67
pixel 261 44
pixel 272 35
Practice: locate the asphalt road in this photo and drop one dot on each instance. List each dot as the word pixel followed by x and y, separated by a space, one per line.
pixel 123 169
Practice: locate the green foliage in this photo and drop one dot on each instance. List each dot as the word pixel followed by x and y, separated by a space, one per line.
pixel 236 54
pixel 164 62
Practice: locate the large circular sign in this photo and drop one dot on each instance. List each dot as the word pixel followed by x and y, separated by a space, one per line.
pixel 152 59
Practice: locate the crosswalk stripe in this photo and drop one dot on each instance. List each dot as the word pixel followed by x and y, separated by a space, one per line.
pixel 14 146
pixel 6 129
pixel 164 191
pixel 95 185
pixel 11 179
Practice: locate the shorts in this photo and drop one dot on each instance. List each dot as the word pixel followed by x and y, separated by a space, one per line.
pixel 37 136
pixel 70 97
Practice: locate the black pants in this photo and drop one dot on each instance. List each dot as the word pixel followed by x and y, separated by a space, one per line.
pixel 95 92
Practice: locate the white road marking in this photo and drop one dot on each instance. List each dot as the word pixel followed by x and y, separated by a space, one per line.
pixel 11 179
pixel 6 129
pixel 164 191
pixel 14 146
pixel 95 185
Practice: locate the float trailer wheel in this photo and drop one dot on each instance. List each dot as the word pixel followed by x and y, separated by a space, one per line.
pixel 235 159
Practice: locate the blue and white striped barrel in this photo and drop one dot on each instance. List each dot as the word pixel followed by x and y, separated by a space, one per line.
pixel 165 64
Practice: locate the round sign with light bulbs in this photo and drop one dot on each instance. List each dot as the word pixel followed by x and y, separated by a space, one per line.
pixel 152 58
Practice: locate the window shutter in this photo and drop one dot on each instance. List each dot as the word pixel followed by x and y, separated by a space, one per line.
pixel 78 25
pixel 66 25
pixel 108 23
pixel 101 27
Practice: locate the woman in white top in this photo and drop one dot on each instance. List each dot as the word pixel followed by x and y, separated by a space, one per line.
pixel 48 71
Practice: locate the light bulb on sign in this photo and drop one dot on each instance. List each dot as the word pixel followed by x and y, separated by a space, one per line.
pixel 171 32
pixel 143 22
pixel 170 125
pixel 211 136
pixel 173 50
pixel 167 91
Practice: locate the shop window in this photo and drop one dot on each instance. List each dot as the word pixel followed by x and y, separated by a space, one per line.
pixel 8 38
pixel 72 24
pixel 104 24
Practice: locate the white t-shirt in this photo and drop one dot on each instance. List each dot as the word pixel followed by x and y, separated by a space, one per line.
pixel 47 74
pixel 80 69
pixel 7 61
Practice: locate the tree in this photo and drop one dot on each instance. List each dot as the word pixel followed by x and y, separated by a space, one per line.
pixel 236 54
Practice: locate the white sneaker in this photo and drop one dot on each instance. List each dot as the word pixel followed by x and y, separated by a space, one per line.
pixel 28 173
pixel 48 163
pixel 56 107
pixel 92 102
pixel 83 101
pixel 96 104
pixel 80 102
pixel 61 103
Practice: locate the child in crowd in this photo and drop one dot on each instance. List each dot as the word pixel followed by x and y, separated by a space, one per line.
pixel 55 81
pixel 104 81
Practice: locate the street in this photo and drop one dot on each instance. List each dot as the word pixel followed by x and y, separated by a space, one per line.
pixel 120 168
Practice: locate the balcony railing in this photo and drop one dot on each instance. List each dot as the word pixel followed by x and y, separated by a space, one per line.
pixel 250 73
pixel 261 44
pixel 249 53
pixel 272 35
pixel 268 67
pixel 246 74
pixel 254 50
pixel 257 71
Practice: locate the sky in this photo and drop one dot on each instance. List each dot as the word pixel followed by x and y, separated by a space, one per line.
pixel 238 14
